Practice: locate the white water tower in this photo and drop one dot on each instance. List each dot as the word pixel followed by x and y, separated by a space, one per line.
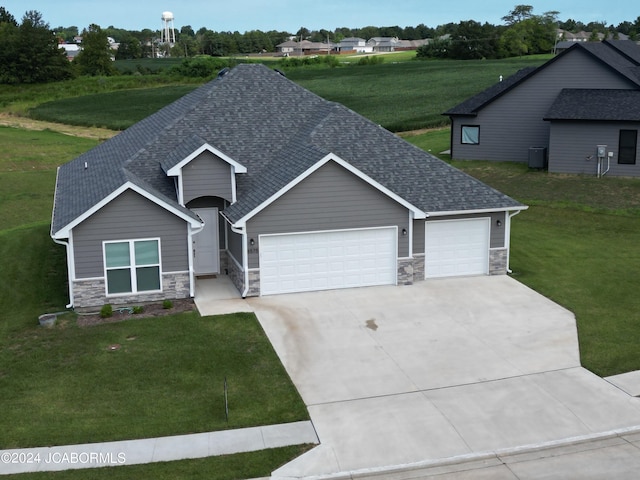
pixel 168 34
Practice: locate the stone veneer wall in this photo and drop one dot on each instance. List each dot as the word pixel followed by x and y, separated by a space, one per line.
pixel 91 293
pixel 236 274
pixel 498 261
pixel 410 270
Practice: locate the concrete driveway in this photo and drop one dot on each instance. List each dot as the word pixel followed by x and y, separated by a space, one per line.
pixel 444 369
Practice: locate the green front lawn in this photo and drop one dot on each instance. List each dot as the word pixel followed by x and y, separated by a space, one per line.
pixel 166 375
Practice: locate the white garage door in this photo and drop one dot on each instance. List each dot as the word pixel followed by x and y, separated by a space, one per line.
pixel 457 247
pixel 304 262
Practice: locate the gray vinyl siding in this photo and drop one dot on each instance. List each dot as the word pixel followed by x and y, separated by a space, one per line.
pixel 418 237
pixel 332 198
pixel 235 245
pixel 206 175
pixel 497 235
pixel 513 123
pixel 573 147
pixel 129 217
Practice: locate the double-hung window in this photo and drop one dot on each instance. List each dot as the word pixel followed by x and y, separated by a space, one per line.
pixel 470 134
pixel 132 266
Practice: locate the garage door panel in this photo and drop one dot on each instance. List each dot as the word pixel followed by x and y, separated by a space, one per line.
pixel 457 247
pixel 327 260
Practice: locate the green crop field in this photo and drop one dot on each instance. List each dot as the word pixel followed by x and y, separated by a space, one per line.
pixel 400 94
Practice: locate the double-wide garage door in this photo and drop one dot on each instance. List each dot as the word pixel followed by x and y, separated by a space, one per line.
pixel 457 247
pixel 302 262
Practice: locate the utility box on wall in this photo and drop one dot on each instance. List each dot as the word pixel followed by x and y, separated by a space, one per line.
pixel 537 157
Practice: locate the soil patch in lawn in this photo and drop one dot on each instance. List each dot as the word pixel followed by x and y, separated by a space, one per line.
pixel 126 313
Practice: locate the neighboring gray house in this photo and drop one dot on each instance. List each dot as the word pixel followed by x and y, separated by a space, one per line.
pixel 383 44
pixel 305 47
pixel 356 44
pixel 254 177
pixel 577 113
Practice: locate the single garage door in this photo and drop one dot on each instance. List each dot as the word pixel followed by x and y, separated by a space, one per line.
pixel 303 262
pixel 457 247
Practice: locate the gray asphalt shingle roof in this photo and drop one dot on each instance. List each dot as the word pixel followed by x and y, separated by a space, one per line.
pixel 623 56
pixel 596 105
pixel 277 130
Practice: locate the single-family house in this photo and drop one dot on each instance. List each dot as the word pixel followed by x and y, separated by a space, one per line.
pixel 355 44
pixel 383 44
pixel 305 47
pixel 577 113
pixel 255 177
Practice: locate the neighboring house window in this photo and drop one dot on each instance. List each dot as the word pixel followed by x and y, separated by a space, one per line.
pixel 627 147
pixel 132 266
pixel 471 134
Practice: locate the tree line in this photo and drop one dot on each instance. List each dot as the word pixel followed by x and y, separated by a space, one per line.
pixel 31 52
pixel 523 33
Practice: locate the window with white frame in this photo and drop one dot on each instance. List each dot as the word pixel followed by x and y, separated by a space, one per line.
pixel 132 266
pixel 471 134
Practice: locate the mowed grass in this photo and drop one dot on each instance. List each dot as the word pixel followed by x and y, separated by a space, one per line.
pixel 28 162
pixel 587 262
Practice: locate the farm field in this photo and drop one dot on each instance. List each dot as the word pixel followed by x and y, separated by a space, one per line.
pixel 400 96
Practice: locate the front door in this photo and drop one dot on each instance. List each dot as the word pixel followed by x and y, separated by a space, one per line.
pixel 206 250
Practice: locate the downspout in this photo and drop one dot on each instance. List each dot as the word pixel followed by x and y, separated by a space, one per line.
pixel 508 239
pixel 245 258
pixel 69 265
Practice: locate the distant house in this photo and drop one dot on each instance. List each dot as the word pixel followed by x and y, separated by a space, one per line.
pixel 71 50
pixel 305 47
pixel 254 177
pixel 355 44
pixel 383 44
pixel 577 113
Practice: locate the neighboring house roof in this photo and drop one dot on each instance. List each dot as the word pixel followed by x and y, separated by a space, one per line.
pixel 622 56
pixel 277 130
pixel 596 105
pixel 472 105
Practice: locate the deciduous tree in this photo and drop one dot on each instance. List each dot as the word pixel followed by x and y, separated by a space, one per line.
pixel 96 55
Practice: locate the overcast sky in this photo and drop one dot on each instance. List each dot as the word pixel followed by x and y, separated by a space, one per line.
pixel 290 15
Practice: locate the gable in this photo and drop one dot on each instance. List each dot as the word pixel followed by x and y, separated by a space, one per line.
pixel 207 175
pixel 344 168
pixel 329 197
pixel 129 216
pixel 592 65
pixel 174 210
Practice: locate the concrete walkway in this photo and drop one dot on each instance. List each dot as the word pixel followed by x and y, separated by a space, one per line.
pixel 149 450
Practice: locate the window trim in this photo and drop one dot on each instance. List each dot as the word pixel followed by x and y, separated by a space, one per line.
pixel 132 267
pixel 462 136
pixel 632 160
